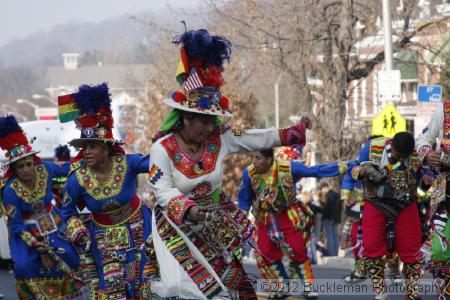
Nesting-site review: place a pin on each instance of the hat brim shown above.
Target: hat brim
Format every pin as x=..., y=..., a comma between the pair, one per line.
x=78, y=143
x=172, y=103
x=19, y=158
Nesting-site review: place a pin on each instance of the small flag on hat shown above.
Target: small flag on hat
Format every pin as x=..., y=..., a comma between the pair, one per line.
x=193, y=81
x=183, y=67
x=67, y=108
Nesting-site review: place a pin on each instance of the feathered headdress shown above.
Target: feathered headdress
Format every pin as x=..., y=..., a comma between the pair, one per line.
x=13, y=140
x=90, y=108
x=288, y=153
x=199, y=73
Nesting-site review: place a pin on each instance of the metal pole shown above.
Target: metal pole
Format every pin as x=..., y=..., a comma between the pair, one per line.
x=277, y=108
x=387, y=34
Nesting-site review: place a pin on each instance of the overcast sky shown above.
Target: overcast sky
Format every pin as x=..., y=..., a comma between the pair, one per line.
x=20, y=18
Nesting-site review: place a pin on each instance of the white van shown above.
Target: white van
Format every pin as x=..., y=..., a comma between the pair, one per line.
x=49, y=135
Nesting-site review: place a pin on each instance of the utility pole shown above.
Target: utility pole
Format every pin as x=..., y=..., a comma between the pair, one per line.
x=277, y=105
x=387, y=34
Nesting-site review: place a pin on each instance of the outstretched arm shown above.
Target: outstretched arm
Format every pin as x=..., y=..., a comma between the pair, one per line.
x=299, y=170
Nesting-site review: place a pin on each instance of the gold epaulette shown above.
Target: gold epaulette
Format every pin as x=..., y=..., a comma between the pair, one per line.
x=74, y=167
x=251, y=170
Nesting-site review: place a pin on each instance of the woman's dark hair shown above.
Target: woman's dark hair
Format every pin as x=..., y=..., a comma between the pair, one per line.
x=267, y=153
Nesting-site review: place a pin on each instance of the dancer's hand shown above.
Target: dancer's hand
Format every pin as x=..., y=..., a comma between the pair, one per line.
x=427, y=180
x=434, y=159
x=82, y=238
x=40, y=247
x=307, y=123
x=196, y=214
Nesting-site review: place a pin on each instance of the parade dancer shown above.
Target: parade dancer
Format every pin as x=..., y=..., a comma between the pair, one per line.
x=438, y=158
x=103, y=178
x=390, y=173
x=197, y=229
x=62, y=155
x=268, y=187
x=352, y=195
x=44, y=261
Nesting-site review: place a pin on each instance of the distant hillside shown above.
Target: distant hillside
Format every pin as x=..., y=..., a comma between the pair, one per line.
x=116, y=39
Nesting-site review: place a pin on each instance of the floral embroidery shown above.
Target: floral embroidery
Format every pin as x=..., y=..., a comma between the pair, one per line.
x=74, y=228
x=111, y=187
x=28, y=238
x=185, y=165
x=177, y=208
x=38, y=192
x=201, y=190
x=238, y=132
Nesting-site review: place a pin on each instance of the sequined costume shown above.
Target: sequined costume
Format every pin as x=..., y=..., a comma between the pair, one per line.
x=438, y=244
x=119, y=224
x=282, y=221
x=390, y=220
x=33, y=221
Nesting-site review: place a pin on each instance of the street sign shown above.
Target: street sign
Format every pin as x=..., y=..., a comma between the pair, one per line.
x=389, y=86
x=388, y=122
x=429, y=93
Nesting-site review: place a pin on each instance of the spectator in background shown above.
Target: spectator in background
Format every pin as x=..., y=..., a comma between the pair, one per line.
x=331, y=217
x=313, y=201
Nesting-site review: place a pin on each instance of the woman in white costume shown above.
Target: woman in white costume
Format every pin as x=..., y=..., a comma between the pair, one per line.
x=197, y=229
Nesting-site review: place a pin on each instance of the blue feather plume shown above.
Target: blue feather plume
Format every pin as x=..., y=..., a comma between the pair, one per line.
x=90, y=99
x=8, y=125
x=210, y=49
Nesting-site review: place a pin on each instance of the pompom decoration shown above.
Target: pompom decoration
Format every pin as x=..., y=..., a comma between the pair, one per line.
x=11, y=134
x=224, y=102
x=288, y=153
x=178, y=97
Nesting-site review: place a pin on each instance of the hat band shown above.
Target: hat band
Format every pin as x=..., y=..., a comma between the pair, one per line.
x=203, y=98
x=96, y=132
x=18, y=151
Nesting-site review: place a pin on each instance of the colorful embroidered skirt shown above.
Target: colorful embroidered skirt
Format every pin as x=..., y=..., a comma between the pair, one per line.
x=119, y=258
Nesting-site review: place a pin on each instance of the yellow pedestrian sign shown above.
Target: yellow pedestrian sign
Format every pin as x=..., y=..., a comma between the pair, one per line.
x=388, y=122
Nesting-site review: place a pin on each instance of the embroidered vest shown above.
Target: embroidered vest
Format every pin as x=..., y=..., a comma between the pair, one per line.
x=277, y=195
x=400, y=185
x=445, y=142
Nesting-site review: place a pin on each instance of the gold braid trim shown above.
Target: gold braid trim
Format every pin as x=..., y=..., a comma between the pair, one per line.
x=74, y=228
x=28, y=238
x=343, y=167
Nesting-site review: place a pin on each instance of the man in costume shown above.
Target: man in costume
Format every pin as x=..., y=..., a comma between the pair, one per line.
x=390, y=173
x=268, y=186
x=351, y=194
x=62, y=155
x=44, y=262
x=103, y=179
x=433, y=146
x=352, y=235
x=197, y=229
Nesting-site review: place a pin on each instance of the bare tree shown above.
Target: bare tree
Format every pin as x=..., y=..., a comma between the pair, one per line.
x=314, y=43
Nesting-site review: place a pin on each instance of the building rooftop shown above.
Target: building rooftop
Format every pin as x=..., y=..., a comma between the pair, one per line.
x=135, y=75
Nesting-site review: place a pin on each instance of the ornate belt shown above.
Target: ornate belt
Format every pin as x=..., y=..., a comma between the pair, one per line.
x=118, y=216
